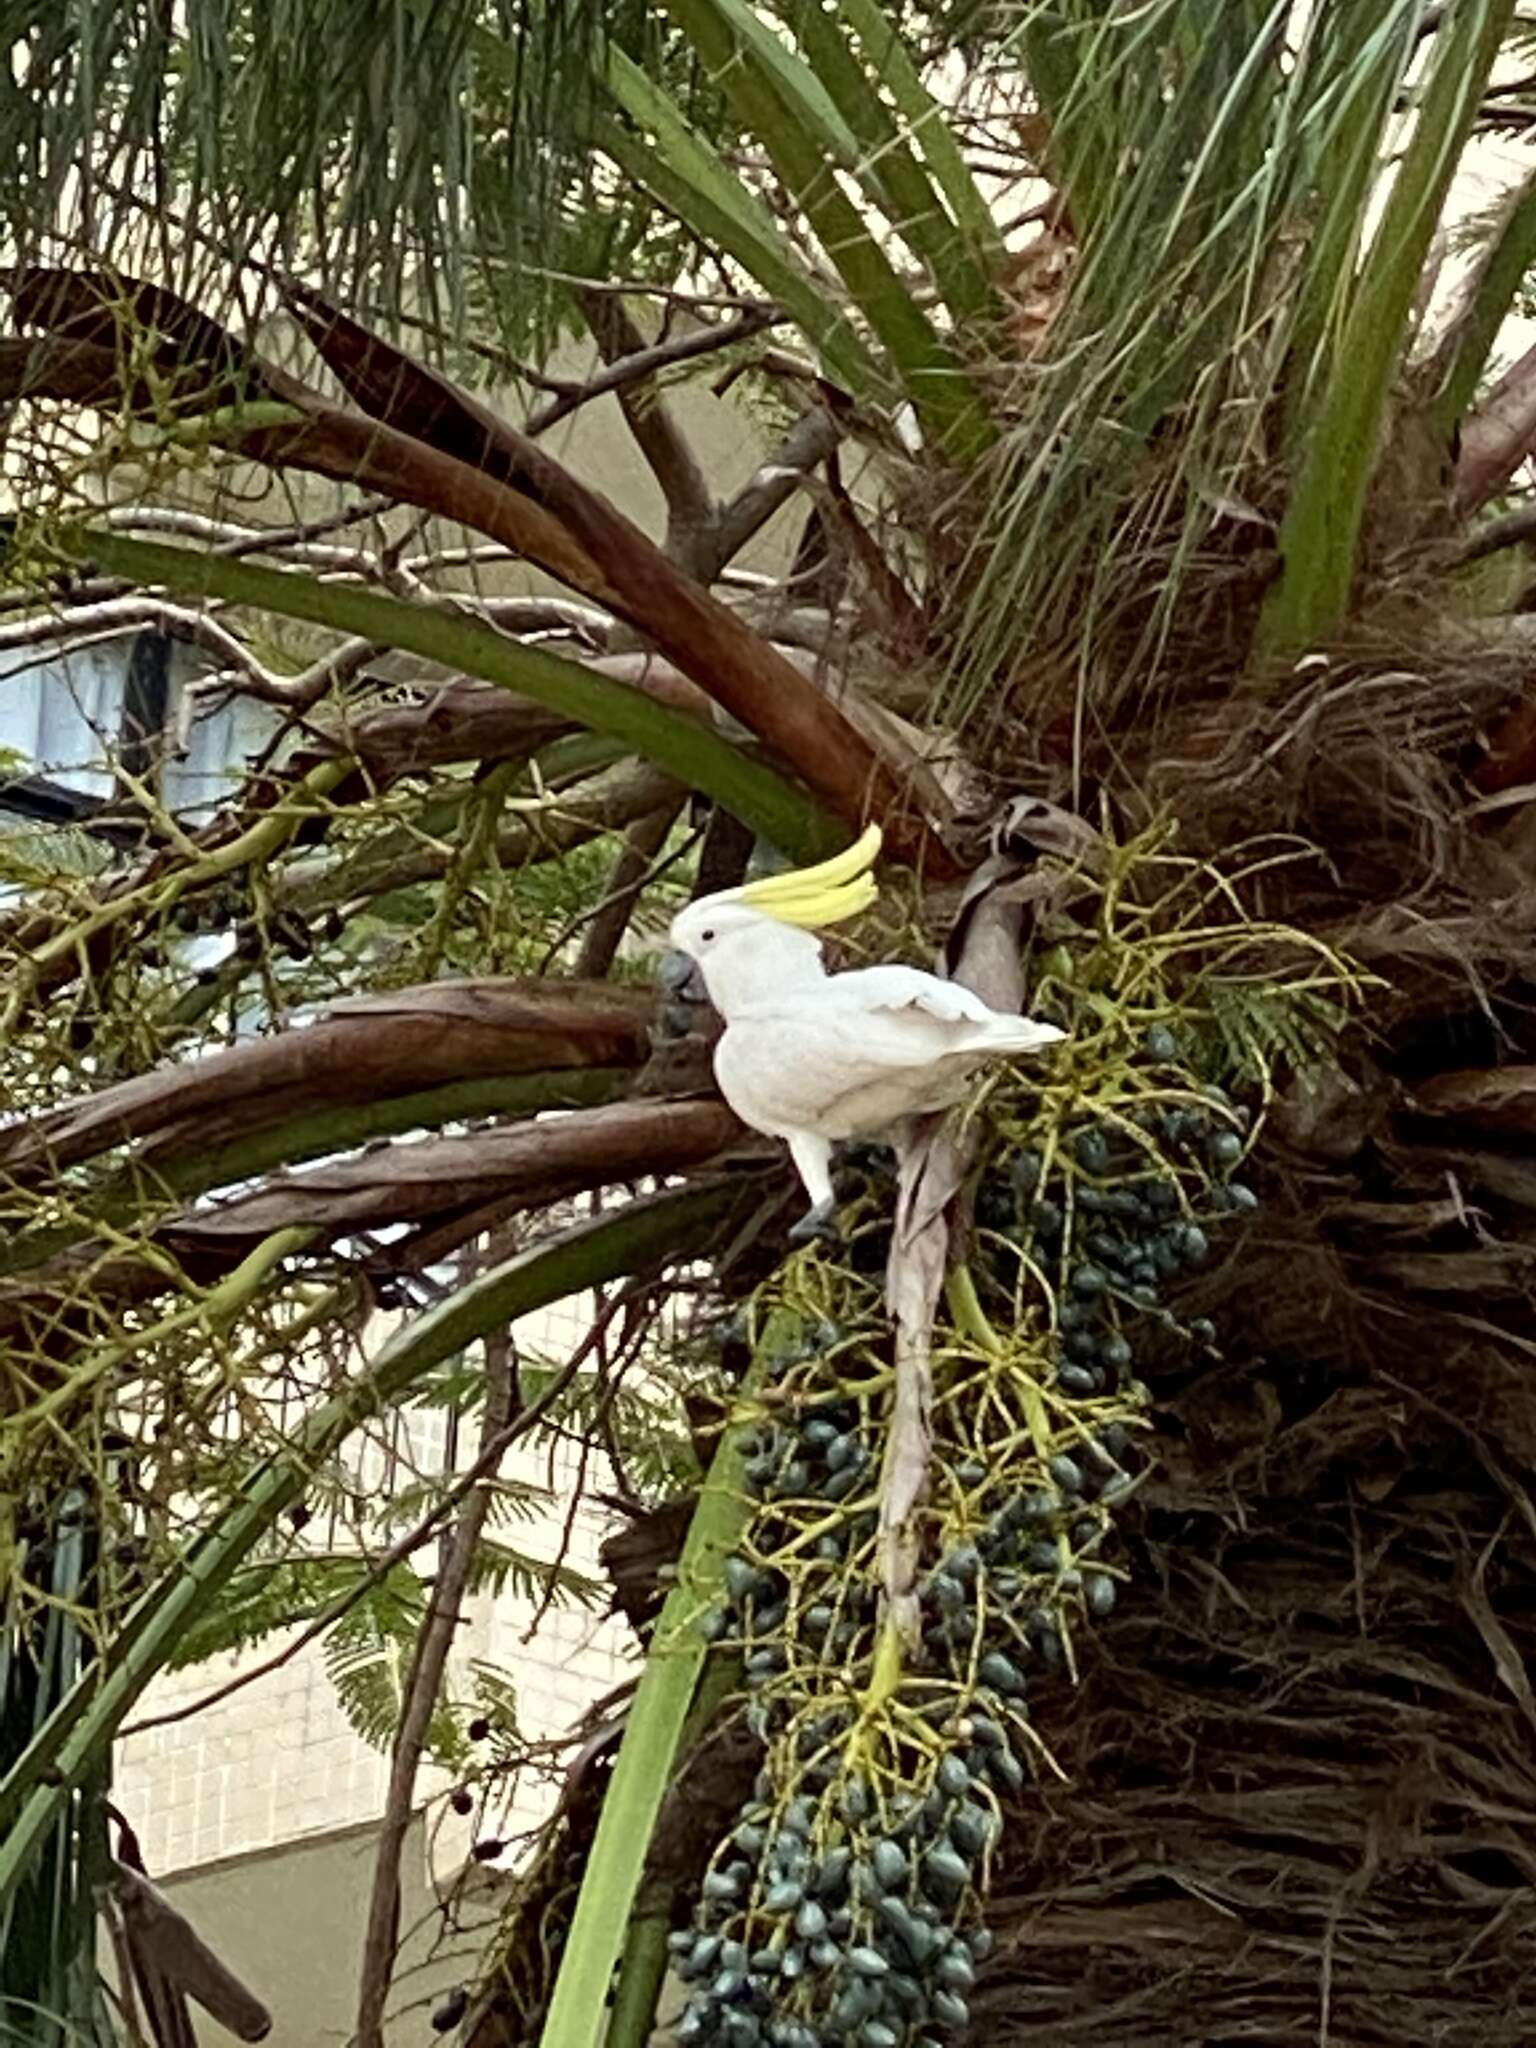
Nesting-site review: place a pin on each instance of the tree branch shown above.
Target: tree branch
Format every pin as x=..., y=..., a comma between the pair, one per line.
x=810, y=441
x=639, y=363
x=1496, y=439
x=1508, y=531
x=631, y=871
x=654, y=425
x=429, y=1661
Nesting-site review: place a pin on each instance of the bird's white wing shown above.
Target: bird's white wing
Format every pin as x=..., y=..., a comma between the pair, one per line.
x=908, y=988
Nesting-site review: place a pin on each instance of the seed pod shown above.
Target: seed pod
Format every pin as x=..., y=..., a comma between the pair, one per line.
x=810, y=1921
x=842, y=1483
x=741, y=1579
x=792, y=1964
x=728, y=1984
x=963, y=1563
x=705, y=1953
x=951, y=2009
x=798, y=1818
x=944, y=1874
x=733, y=1957
x=1226, y=1148
x=1160, y=1043
x=783, y=1897
x=1001, y=1673
x=954, y=1969
x=831, y=1878
x=913, y=1935
x=1067, y=1473
x=855, y=2003
x=971, y=1473
x=446, y=2017
x=954, y=1779
x=1077, y=1380
x=981, y=1941
x=868, y=1962
x=855, y=1800
x=1088, y=1280
x=1116, y=1353
x=1101, y=1593
x=876, y=2034
x=946, y=1592
x=720, y=1885
x=969, y=1829
x=1005, y=1767
x=1092, y=1149
x=889, y=1864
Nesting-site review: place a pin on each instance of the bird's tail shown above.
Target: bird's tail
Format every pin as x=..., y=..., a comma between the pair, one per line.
x=1021, y=1034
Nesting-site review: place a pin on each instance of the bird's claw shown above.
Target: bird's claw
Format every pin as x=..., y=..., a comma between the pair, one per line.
x=816, y=1226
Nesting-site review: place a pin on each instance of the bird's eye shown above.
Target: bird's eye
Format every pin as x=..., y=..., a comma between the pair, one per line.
x=706, y=937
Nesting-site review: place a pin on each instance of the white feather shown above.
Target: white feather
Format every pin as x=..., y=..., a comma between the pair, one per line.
x=815, y=1057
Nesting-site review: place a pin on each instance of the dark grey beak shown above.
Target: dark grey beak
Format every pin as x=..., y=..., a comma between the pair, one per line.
x=679, y=975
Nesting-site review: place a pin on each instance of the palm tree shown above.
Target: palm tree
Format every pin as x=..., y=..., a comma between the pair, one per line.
x=1177, y=522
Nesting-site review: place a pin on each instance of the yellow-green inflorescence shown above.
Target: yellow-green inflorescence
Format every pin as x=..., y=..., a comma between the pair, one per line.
x=844, y=1906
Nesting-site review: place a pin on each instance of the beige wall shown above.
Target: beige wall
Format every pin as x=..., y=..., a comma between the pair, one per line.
x=289, y=1923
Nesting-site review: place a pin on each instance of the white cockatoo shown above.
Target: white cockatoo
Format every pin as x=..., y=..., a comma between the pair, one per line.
x=813, y=1057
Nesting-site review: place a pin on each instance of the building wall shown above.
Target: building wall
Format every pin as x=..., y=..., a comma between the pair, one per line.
x=289, y=1923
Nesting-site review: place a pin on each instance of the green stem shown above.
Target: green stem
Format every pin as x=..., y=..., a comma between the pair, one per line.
x=1321, y=533
x=885, y=48
x=642, y=1971
x=885, y=163
x=698, y=200
x=784, y=814
x=1468, y=346
x=941, y=394
x=653, y=1740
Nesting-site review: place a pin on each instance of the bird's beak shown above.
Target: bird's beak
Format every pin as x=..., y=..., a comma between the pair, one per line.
x=679, y=975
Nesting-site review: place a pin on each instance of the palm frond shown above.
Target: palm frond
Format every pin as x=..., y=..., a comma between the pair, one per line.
x=1228, y=209
x=359, y=139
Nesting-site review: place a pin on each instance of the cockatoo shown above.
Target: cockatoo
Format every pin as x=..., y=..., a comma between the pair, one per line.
x=813, y=1057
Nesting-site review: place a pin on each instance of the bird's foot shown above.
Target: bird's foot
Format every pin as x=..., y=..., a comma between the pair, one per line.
x=817, y=1226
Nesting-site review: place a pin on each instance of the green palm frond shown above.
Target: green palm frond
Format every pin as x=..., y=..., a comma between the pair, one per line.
x=263, y=1597
x=1251, y=1028
x=1221, y=165
x=368, y=1653
x=33, y=857
x=357, y=137
x=501, y=1569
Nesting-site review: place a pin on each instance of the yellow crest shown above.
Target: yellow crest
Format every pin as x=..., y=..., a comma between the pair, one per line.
x=829, y=893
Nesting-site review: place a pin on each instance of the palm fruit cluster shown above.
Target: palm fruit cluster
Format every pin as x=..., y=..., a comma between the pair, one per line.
x=845, y=1906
